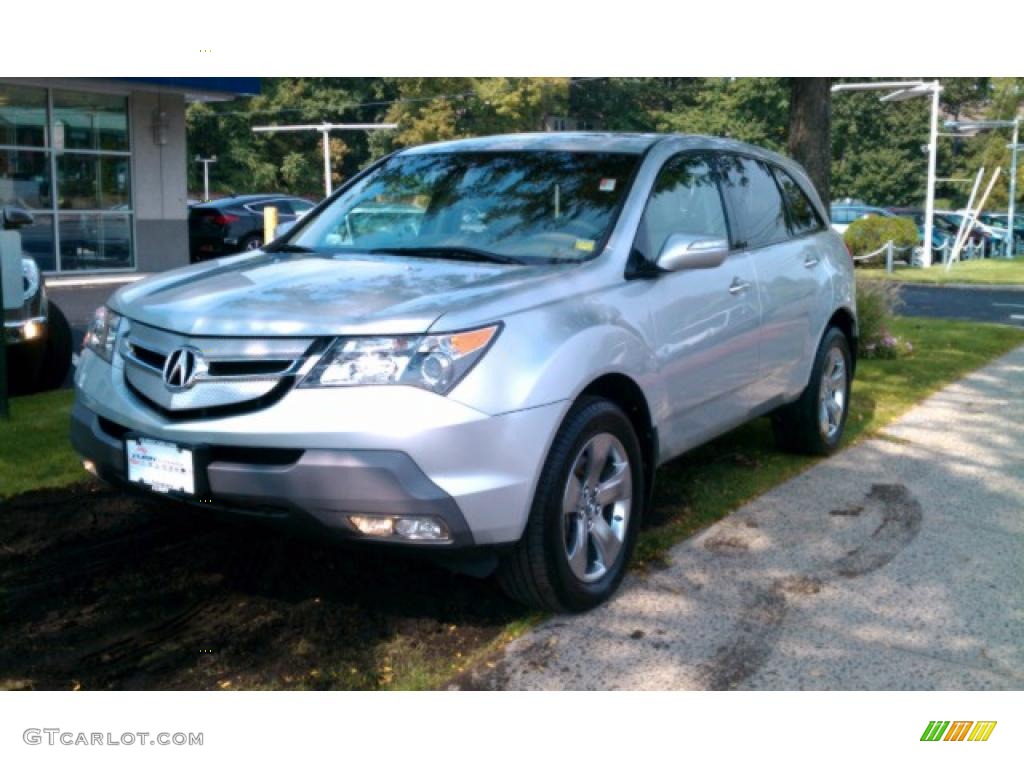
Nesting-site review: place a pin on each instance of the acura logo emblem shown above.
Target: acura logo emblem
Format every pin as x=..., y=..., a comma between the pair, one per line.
x=181, y=368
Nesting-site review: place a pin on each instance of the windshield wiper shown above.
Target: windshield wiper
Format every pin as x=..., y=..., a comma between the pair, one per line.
x=459, y=253
x=290, y=248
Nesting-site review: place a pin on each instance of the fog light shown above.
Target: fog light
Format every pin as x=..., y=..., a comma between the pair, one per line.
x=90, y=467
x=373, y=526
x=421, y=528
x=31, y=330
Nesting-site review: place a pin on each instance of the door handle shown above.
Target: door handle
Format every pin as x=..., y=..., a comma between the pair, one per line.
x=738, y=286
x=811, y=261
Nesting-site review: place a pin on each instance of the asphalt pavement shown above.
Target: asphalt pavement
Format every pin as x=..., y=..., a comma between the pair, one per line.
x=981, y=303
x=894, y=565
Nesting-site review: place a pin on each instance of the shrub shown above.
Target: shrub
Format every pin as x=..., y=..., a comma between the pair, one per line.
x=876, y=303
x=868, y=235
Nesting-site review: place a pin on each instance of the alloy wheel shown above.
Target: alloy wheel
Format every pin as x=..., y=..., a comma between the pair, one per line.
x=596, y=507
x=832, y=394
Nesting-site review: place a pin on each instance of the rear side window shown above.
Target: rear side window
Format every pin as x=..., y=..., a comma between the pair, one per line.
x=685, y=199
x=803, y=218
x=754, y=201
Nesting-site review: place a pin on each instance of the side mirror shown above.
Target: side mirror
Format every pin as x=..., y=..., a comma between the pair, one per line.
x=282, y=228
x=16, y=217
x=682, y=251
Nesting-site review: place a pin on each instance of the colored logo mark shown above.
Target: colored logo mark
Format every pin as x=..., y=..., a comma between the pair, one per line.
x=958, y=730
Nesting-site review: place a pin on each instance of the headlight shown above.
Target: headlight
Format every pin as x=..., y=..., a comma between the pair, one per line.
x=102, y=333
x=30, y=277
x=435, y=362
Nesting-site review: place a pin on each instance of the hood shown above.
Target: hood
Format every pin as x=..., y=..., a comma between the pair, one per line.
x=314, y=295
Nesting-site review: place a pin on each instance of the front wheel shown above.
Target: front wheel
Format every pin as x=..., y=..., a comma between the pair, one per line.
x=814, y=424
x=585, y=515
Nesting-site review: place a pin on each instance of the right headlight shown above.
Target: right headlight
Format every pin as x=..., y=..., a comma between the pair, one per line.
x=436, y=362
x=102, y=333
x=30, y=277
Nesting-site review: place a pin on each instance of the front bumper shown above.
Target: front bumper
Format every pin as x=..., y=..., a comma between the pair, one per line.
x=319, y=455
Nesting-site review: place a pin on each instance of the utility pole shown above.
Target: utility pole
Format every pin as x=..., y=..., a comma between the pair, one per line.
x=206, y=174
x=325, y=131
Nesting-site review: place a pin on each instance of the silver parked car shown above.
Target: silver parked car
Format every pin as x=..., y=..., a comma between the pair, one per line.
x=495, y=373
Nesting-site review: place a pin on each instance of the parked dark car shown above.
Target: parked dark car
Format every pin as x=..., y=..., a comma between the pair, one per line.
x=947, y=225
x=235, y=224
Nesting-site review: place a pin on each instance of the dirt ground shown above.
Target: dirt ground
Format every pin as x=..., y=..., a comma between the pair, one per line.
x=101, y=590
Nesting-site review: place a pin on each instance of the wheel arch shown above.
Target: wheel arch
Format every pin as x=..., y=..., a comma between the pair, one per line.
x=845, y=321
x=622, y=390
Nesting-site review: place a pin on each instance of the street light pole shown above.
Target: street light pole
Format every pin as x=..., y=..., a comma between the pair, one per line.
x=929, y=204
x=1014, y=146
x=325, y=131
x=206, y=174
x=985, y=125
x=901, y=90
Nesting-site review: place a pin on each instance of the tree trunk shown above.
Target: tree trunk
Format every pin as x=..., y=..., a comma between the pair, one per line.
x=809, y=129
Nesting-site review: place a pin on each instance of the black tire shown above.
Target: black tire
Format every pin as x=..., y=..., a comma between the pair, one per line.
x=797, y=427
x=24, y=361
x=57, y=352
x=536, y=571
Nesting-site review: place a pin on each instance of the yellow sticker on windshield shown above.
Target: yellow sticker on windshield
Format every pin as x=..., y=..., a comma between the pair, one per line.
x=585, y=245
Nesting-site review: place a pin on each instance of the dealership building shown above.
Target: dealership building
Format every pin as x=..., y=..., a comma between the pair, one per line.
x=101, y=164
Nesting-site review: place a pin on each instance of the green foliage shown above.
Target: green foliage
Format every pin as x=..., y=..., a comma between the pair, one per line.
x=869, y=234
x=877, y=301
x=877, y=147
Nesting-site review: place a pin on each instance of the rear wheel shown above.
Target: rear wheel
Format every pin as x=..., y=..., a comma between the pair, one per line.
x=814, y=424
x=585, y=516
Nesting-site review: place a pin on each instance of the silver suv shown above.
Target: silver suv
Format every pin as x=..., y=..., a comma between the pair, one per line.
x=484, y=349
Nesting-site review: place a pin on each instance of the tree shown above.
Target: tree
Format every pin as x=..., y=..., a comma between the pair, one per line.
x=810, y=142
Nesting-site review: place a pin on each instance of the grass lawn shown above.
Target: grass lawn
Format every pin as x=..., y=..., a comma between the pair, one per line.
x=34, y=447
x=978, y=272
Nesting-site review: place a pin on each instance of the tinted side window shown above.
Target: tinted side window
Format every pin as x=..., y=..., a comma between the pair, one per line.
x=685, y=199
x=803, y=217
x=754, y=200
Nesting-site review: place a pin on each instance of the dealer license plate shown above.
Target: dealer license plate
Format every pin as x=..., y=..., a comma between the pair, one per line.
x=161, y=466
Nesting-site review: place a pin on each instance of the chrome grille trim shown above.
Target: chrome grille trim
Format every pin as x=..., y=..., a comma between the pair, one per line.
x=141, y=347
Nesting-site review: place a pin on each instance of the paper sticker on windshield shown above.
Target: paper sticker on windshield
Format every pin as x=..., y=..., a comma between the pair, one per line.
x=607, y=185
x=585, y=245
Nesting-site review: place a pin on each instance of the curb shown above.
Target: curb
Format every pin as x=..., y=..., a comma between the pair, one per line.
x=97, y=280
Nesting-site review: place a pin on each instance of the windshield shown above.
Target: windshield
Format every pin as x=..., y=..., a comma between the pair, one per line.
x=520, y=206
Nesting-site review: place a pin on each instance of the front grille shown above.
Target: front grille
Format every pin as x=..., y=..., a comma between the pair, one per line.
x=149, y=357
x=235, y=375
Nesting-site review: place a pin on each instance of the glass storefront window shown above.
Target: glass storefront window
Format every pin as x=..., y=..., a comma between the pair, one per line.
x=22, y=116
x=90, y=121
x=92, y=182
x=83, y=217
x=37, y=241
x=95, y=241
x=25, y=179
